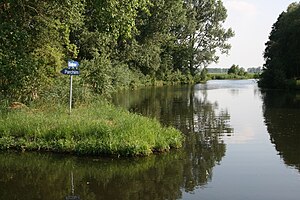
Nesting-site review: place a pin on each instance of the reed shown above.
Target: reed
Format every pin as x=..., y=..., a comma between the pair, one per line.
x=95, y=129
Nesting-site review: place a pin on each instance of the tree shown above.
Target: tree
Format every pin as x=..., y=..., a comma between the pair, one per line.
x=282, y=53
x=35, y=43
x=150, y=51
x=168, y=40
x=108, y=24
x=179, y=35
x=234, y=69
x=203, y=34
x=203, y=74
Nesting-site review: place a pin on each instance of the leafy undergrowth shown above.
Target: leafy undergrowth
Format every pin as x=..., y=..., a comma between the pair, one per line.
x=99, y=129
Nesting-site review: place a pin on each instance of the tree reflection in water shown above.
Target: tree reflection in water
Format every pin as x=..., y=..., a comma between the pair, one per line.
x=191, y=112
x=46, y=176
x=282, y=114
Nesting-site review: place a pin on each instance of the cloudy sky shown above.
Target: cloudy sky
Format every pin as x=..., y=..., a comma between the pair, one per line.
x=251, y=21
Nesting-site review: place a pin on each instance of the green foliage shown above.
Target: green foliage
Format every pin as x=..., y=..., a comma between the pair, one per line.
x=203, y=33
x=119, y=44
x=282, y=53
x=236, y=70
x=274, y=78
x=98, y=74
x=35, y=44
x=204, y=74
x=103, y=77
x=223, y=76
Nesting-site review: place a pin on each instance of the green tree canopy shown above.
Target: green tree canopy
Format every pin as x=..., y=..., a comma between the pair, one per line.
x=237, y=70
x=118, y=41
x=35, y=43
x=282, y=53
x=203, y=33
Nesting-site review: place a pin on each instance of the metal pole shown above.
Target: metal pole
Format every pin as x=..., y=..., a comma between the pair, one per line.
x=71, y=87
x=72, y=184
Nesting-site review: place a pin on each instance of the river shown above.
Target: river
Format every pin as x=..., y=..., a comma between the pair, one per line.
x=241, y=143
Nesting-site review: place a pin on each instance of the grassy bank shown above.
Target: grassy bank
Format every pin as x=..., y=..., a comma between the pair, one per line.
x=223, y=76
x=97, y=129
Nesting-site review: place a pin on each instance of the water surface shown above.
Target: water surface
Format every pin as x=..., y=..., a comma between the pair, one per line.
x=241, y=143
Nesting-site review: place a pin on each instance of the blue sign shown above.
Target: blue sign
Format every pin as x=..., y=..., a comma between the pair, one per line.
x=73, y=64
x=68, y=71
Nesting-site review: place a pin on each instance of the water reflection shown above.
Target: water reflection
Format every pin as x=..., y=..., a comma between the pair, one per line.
x=38, y=176
x=187, y=108
x=72, y=196
x=45, y=176
x=282, y=114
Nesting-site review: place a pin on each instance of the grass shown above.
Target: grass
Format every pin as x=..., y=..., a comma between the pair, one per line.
x=223, y=76
x=97, y=129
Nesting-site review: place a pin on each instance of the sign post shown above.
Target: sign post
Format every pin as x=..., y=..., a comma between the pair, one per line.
x=71, y=70
x=71, y=93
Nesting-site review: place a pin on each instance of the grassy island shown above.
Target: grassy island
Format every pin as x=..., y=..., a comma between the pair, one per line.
x=90, y=130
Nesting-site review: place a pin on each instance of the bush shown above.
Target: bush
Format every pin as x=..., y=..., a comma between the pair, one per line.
x=98, y=73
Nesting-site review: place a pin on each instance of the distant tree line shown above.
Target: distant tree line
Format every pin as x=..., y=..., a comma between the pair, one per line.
x=253, y=70
x=234, y=72
x=217, y=70
x=282, y=53
x=119, y=43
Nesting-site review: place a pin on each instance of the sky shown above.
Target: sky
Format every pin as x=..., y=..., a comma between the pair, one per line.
x=252, y=21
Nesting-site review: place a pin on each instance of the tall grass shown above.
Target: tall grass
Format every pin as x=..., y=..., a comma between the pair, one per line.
x=97, y=129
x=223, y=76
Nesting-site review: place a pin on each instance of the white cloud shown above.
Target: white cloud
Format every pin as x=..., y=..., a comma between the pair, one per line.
x=242, y=7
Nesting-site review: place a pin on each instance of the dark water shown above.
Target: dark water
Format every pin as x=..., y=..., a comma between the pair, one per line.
x=241, y=143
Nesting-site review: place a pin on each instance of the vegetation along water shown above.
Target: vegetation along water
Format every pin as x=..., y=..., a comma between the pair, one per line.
x=119, y=44
x=226, y=155
x=93, y=130
x=282, y=66
x=129, y=45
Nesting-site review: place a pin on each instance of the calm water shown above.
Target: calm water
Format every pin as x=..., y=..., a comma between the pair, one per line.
x=241, y=143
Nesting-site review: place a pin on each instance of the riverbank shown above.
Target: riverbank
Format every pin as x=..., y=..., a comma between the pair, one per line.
x=96, y=129
x=224, y=76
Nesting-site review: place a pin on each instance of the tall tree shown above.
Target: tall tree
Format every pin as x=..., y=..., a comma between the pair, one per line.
x=160, y=39
x=204, y=35
x=181, y=35
x=282, y=53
